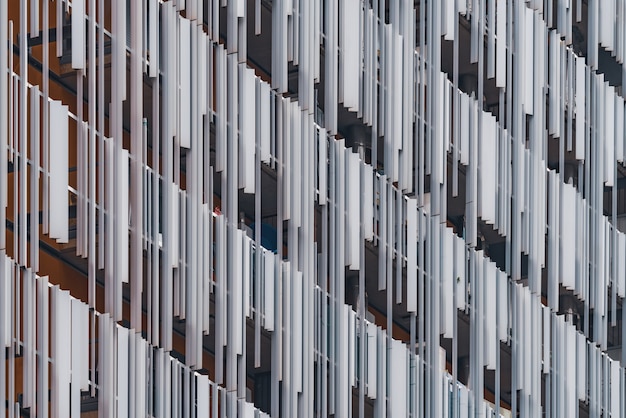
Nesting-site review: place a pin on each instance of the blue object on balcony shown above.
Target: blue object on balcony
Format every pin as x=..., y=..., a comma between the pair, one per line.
x=268, y=236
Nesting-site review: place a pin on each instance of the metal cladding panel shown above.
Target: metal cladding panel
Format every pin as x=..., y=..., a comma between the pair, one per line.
x=463, y=403
x=80, y=343
x=184, y=81
x=122, y=239
x=526, y=36
x=398, y=388
x=412, y=271
x=465, y=128
x=119, y=41
x=264, y=107
x=270, y=283
x=352, y=207
x=246, y=272
x=349, y=44
x=28, y=333
x=381, y=370
x=235, y=286
x=122, y=372
x=460, y=260
x=153, y=37
x=297, y=326
x=372, y=356
x=59, y=210
x=361, y=181
x=43, y=343
x=546, y=323
x=491, y=340
x=447, y=283
x=581, y=89
x=619, y=128
x=609, y=132
x=5, y=103
x=462, y=7
x=568, y=235
x=367, y=194
x=501, y=69
x=449, y=20
x=6, y=284
x=621, y=264
x=202, y=388
x=616, y=389
x=247, y=123
x=78, y=34
x=61, y=370
x=488, y=176
x=502, y=285
x=554, y=81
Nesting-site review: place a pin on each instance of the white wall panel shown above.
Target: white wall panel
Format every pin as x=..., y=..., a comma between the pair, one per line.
x=61, y=370
x=202, y=388
x=6, y=286
x=621, y=264
x=269, y=290
x=247, y=124
x=236, y=317
x=118, y=45
x=264, y=108
x=43, y=344
x=80, y=345
x=28, y=337
x=503, y=305
x=297, y=325
x=122, y=372
x=381, y=370
x=372, y=356
x=5, y=86
x=555, y=71
x=322, y=167
x=490, y=275
x=488, y=173
x=59, y=210
x=78, y=34
x=529, y=60
x=398, y=388
x=184, y=82
x=568, y=235
x=461, y=283
x=153, y=37
x=247, y=274
x=607, y=18
x=501, y=43
x=616, y=389
x=465, y=128
x=353, y=209
x=349, y=43
x=447, y=283
x=581, y=361
x=580, y=108
x=464, y=403
x=546, y=323
x=352, y=348
x=462, y=7
x=609, y=126
x=411, y=274
x=122, y=221
x=368, y=202
x=619, y=128
x=449, y=19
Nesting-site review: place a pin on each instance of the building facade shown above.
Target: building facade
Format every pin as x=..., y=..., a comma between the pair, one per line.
x=312, y=208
